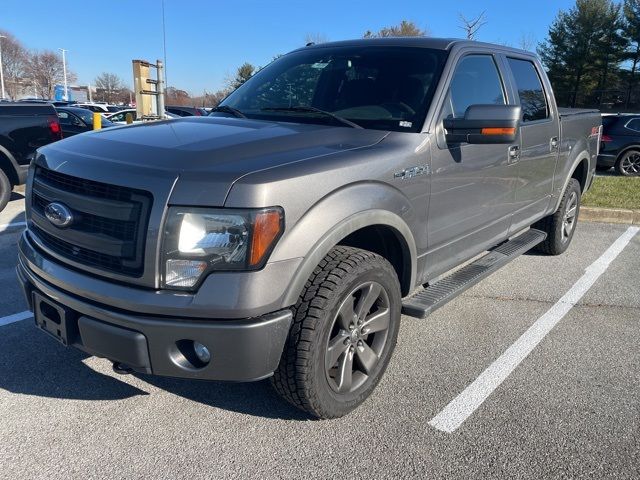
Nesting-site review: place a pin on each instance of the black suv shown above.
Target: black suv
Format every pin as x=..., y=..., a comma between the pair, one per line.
x=620, y=144
x=186, y=111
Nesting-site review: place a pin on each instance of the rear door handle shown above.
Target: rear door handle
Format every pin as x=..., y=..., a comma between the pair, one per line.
x=554, y=143
x=514, y=153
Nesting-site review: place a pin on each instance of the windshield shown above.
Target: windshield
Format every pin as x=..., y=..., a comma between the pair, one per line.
x=385, y=88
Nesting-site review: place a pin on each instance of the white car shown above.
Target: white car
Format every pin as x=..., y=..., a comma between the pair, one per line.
x=94, y=107
x=120, y=117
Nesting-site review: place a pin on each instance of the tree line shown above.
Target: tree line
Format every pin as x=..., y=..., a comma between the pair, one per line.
x=592, y=54
x=30, y=72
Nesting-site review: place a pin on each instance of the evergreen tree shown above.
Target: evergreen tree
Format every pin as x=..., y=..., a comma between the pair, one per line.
x=631, y=30
x=584, y=49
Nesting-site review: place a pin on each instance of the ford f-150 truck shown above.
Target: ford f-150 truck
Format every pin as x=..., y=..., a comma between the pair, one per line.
x=23, y=128
x=284, y=235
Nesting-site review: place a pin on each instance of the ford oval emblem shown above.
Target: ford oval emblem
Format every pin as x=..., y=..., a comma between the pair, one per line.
x=58, y=214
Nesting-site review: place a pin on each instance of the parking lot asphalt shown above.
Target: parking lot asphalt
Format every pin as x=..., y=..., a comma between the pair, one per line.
x=570, y=409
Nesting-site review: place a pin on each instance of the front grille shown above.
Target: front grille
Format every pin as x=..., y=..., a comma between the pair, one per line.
x=110, y=221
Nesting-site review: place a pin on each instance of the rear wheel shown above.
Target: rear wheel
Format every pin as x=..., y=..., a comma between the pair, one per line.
x=5, y=190
x=344, y=331
x=561, y=226
x=629, y=163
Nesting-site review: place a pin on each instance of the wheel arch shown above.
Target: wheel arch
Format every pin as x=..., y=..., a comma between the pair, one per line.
x=8, y=166
x=377, y=230
x=580, y=171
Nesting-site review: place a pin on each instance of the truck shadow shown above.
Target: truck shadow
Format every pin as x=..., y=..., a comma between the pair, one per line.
x=256, y=398
x=16, y=196
x=33, y=364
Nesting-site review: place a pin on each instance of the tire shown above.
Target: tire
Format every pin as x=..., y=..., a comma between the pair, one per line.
x=561, y=226
x=5, y=190
x=322, y=332
x=628, y=164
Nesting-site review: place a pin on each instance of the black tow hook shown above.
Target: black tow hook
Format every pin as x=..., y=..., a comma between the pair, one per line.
x=122, y=369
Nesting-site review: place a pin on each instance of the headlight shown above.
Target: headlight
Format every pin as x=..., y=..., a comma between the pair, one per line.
x=198, y=241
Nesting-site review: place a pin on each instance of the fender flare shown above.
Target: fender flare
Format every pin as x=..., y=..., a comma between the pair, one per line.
x=13, y=173
x=344, y=228
x=583, y=155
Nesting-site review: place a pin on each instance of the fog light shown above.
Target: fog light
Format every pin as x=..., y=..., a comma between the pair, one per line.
x=202, y=352
x=184, y=273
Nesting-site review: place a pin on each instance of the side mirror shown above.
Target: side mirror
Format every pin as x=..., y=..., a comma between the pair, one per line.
x=484, y=124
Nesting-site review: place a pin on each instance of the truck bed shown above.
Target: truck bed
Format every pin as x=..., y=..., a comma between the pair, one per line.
x=567, y=112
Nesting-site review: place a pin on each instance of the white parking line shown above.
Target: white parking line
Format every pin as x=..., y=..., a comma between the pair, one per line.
x=16, y=317
x=7, y=226
x=463, y=406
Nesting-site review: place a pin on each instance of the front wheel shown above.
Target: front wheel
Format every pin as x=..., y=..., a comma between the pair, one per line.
x=344, y=330
x=629, y=163
x=561, y=226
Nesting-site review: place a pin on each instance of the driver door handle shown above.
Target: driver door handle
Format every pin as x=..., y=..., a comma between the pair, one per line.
x=554, y=143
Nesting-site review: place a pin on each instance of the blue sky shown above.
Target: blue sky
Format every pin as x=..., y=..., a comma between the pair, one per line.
x=207, y=40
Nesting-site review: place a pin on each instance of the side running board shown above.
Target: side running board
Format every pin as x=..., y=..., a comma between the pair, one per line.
x=426, y=300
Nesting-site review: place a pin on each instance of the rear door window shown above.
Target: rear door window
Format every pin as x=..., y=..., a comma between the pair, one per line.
x=634, y=125
x=532, y=98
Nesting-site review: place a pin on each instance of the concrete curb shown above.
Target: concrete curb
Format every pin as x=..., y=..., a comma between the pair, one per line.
x=610, y=215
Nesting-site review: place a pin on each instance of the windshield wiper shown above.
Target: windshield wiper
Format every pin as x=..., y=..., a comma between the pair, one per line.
x=227, y=109
x=309, y=109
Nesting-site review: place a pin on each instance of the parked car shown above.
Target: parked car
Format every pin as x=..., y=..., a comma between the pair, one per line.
x=284, y=235
x=93, y=107
x=23, y=128
x=75, y=120
x=186, y=111
x=620, y=144
x=115, y=108
x=120, y=118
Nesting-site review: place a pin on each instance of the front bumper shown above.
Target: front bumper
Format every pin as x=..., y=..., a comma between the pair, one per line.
x=241, y=350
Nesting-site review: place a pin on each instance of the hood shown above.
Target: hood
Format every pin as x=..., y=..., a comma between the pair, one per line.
x=202, y=156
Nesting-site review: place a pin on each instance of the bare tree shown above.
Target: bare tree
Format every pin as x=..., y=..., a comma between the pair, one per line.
x=527, y=41
x=471, y=26
x=44, y=71
x=14, y=59
x=108, y=86
x=315, y=38
x=175, y=96
x=403, y=29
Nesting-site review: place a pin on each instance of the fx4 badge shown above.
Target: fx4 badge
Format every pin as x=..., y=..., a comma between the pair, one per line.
x=412, y=172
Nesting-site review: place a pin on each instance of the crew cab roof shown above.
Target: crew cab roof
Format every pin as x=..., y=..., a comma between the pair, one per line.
x=424, y=42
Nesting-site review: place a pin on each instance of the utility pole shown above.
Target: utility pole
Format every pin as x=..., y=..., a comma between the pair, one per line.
x=164, y=45
x=160, y=89
x=64, y=71
x=1, y=70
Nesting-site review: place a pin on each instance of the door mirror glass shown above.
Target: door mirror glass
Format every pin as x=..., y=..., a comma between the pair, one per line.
x=484, y=124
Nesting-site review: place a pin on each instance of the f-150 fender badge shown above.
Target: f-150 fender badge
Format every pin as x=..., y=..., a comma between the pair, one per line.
x=412, y=172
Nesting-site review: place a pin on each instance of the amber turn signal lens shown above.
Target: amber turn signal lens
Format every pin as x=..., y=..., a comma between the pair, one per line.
x=498, y=131
x=266, y=229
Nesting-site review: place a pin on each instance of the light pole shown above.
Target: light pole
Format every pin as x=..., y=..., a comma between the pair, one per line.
x=1, y=70
x=64, y=71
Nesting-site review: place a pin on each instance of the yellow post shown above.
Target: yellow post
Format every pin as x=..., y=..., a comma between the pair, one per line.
x=97, y=121
x=129, y=118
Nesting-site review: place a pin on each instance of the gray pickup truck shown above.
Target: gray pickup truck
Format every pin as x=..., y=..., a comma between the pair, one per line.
x=284, y=235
